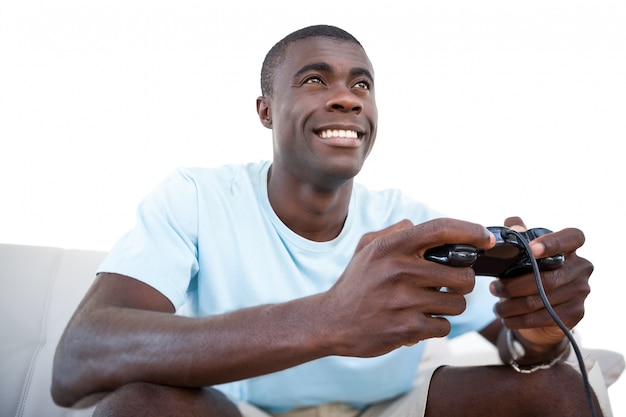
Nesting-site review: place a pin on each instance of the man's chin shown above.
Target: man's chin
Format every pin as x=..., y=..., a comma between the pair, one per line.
x=345, y=171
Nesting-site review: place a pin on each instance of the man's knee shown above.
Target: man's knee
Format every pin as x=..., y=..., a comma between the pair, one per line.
x=559, y=390
x=564, y=387
x=143, y=399
x=500, y=390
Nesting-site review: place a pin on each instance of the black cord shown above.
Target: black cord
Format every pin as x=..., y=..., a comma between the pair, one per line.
x=557, y=320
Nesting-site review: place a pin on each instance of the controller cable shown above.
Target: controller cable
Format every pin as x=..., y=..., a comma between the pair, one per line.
x=555, y=317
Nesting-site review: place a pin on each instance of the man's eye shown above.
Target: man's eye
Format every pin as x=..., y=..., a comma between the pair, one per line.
x=363, y=84
x=313, y=80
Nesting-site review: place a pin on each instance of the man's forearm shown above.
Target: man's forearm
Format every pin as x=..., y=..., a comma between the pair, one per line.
x=113, y=346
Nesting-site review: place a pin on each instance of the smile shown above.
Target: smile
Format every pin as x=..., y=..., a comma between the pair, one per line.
x=338, y=133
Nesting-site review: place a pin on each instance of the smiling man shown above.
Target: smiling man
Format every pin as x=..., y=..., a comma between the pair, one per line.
x=298, y=292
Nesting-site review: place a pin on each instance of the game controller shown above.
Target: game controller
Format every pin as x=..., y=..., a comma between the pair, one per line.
x=507, y=259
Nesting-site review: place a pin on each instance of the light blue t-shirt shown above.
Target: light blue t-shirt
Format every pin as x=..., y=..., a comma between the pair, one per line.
x=209, y=240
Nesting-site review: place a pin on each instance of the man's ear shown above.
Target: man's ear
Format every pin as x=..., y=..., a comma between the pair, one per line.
x=264, y=110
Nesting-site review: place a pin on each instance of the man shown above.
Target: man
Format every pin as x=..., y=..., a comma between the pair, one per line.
x=307, y=292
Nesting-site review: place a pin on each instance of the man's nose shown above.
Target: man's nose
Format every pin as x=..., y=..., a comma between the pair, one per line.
x=344, y=100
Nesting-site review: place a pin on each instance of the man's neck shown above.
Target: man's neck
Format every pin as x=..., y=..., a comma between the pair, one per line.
x=315, y=213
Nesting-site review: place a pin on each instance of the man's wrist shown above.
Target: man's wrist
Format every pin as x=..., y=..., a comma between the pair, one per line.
x=526, y=358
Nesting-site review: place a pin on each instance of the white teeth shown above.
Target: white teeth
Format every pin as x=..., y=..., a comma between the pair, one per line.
x=338, y=133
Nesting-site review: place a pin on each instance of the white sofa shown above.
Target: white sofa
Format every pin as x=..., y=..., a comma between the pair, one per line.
x=41, y=287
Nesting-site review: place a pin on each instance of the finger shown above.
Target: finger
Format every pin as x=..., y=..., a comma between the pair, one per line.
x=419, y=274
x=570, y=313
x=367, y=238
x=428, y=327
x=562, y=286
x=520, y=286
x=417, y=239
x=529, y=303
x=564, y=241
x=430, y=302
x=515, y=223
x=575, y=270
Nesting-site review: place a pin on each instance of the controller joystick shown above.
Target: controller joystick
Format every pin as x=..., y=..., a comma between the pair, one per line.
x=507, y=259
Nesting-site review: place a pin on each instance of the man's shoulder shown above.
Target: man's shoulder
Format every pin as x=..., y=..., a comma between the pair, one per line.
x=207, y=179
x=192, y=182
x=382, y=196
x=222, y=172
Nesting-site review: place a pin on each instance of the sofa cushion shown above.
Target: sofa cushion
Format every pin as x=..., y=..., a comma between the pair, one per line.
x=41, y=288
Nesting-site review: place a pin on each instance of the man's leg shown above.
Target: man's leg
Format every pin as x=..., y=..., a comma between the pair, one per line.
x=492, y=391
x=146, y=400
x=501, y=391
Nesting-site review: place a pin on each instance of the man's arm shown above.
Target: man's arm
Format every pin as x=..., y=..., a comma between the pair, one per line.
x=124, y=331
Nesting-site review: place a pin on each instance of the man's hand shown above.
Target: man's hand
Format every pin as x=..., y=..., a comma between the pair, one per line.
x=390, y=296
x=520, y=306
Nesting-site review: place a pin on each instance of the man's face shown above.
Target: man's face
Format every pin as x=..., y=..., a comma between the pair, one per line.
x=323, y=111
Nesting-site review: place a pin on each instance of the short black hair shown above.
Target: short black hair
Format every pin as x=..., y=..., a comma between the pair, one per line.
x=276, y=56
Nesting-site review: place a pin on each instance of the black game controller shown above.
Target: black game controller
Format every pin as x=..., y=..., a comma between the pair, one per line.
x=507, y=259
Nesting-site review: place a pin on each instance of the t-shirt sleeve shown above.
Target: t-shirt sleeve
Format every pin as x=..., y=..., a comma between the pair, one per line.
x=161, y=250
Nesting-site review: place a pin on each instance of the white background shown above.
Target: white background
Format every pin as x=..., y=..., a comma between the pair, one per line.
x=487, y=109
